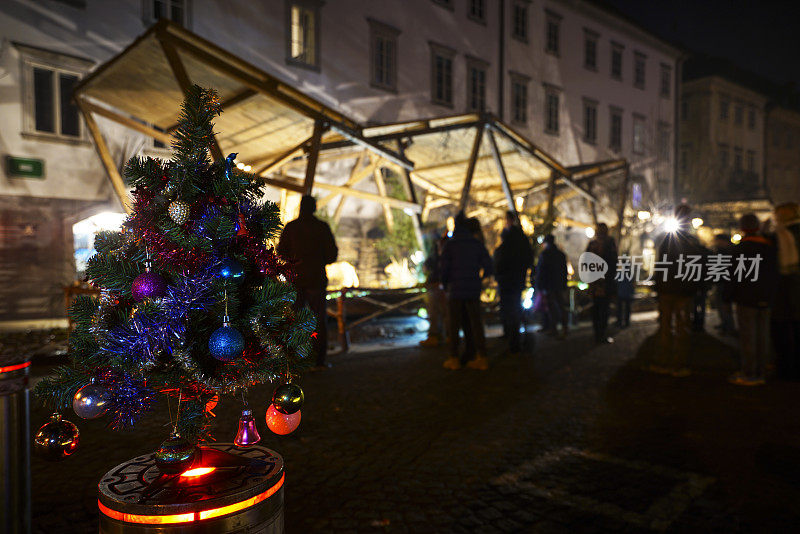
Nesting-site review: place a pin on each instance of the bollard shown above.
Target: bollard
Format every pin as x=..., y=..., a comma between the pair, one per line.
x=15, y=450
x=226, y=490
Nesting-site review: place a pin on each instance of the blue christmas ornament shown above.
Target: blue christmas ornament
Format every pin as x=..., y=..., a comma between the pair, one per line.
x=226, y=343
x=231, y=271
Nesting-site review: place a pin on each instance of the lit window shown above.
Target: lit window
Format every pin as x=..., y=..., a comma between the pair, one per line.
x=519, y=19
x=173, y=10
x=639, y=60
x=616, y=61
x=49, y=80
x=442, y=75
x=666, y=80
x=519, y=98
x=383, y=55
x=590, y=121
x=477, y=10
x=638, y=134
x=590, y=50
x=552, y=33
x=303, y=44
x=615, y=133
x=551, y=111
x=476, y=85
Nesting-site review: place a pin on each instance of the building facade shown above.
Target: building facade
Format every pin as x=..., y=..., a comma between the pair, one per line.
x=582, y=82
x=782, y=150
x=722, y=125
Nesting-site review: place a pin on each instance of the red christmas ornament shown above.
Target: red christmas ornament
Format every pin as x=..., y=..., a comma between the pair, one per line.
x=242, y=226
x=281, y=423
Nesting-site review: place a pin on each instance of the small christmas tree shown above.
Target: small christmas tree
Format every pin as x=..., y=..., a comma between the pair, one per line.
x=194, y=304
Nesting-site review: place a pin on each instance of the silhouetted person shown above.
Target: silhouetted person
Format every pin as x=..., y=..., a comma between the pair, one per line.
x=603, y=290
x=309, y=242
x=675, y=295
x=722, y=295
x=512, y=260
x=753, y=294
x=626, y=289
x=786, y=309
x=435, y=298
x=550, y=279
x=464, y=262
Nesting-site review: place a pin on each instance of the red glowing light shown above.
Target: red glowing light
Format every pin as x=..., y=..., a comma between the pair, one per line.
x=314, y=335
x=16, y=367
x=198, y=472
x=191, y=516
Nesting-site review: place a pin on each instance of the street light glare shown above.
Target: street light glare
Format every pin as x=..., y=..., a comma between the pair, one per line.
x=735, y=238
x=643, y=215
x=697, y=222
x=671, y=225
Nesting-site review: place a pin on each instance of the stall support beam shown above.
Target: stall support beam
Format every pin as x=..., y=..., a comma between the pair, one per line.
x=498, y=161
x=476, y=147
x=411, y=194
x=313, y=157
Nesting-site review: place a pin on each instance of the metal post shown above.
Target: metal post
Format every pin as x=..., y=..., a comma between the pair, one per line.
x=476, y=146
x=15, y=451
x=551, y=198
x=411, y=194
x=498, y=161
x=313, y=156
x=341, y=321
x=622, y=202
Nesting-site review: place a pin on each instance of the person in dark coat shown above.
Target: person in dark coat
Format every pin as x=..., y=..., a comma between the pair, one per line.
x=465, y=261
x=786, y=309
x=721, y=296
x=550, y=279
x=512, y=260
x=753, y=293
x=603, y=290
x=435, y=297
x=309, y=242
x=626, y=289
x=676, y=292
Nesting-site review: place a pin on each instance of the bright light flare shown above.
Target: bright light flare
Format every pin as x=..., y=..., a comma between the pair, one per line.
x=671, y=225
x=735, y=238
x=643, y=215
x=697, y=222
x=589, y=231
x=527, y=302
x=240, y=166
x=519, y=202
x=198, y=472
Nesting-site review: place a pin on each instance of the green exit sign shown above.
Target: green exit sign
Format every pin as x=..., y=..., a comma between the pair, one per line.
x=24, y=167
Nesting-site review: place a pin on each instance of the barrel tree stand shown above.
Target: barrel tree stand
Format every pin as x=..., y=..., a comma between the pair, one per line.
x=226, y=490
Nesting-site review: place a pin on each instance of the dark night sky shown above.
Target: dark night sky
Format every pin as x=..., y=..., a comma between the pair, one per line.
x=762, y=37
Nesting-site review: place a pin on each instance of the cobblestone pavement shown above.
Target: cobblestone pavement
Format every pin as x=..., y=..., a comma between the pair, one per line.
x=569, y=437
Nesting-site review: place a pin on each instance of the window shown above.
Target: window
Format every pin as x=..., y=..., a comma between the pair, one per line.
x=666, y=80
x=685, y=108
x=551, y=110
x=638, y=134
x=751, y=118
x=303, y=34
x=442, y=75
x=724, y=105
x=552, y=33
x=616, y=60
x=590, y=49
x=590, y=121
x=723, y=156
x=738, y=114
x=48, y=82
x=383, y=55
x=174, y=10
x=519, y=21
x=664, y=131
x=751, y=160
x=476, y=84
x=685, y=164
x=737, y=158
x=519, y=98
x=477, y=10
x=615, y=133
x=638, y=69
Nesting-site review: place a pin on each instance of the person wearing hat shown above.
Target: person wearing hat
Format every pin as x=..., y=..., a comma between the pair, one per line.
x=309, y=243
